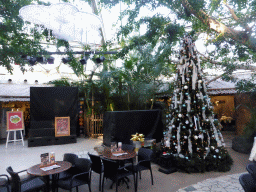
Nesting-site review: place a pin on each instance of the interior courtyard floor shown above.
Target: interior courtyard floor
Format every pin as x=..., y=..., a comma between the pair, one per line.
x=20, y=158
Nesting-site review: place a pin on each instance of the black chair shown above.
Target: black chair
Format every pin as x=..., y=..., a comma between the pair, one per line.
x=144, y=163
x=247, y=182
x=115, y=173
x=128, y=147
x=97, y=166
x=4, y=181
x=81, y=176
x=26, y=184
x=70, y=157
x=251, y=168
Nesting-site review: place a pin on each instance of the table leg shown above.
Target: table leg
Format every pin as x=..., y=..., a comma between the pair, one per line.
x=54, y=182
x=47, y=180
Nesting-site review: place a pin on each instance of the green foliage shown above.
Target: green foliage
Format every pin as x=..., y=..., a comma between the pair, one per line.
x=250, y=128
x=14, y=42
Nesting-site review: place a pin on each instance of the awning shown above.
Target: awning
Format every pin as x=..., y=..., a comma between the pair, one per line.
x=13, y=99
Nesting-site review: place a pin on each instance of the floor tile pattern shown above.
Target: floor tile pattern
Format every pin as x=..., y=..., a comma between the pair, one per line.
x=229, y=183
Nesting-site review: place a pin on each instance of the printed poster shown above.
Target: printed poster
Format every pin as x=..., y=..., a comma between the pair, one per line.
x=62, y=126
x=15, y=120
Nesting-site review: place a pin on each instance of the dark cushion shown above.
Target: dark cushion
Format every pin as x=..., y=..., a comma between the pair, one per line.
x=32, y=185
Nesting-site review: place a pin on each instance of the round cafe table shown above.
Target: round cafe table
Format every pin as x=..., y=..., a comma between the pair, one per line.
x=129, y=155
x=37, y=171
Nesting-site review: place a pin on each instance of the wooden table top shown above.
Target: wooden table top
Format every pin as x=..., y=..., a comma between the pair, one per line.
x=129, y=155
x=36, y=171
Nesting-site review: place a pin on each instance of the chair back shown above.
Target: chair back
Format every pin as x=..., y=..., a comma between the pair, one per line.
x=128, y=147
x=83, y=165
x=70, y=157
x=247, y=182
x=15, y=181
x=110, y=168
x=144, y=154
x=251, y=168
x=96, y=163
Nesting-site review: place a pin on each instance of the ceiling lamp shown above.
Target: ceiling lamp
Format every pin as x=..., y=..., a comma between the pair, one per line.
x=41, y=60
x=84, y=60
x=50, y=60
x=66, y=60
x=32, y=61
x=100, y=59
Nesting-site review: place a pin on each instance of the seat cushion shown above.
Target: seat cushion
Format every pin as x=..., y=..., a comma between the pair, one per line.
x=65, y=175
x=65, y=183
x=32, y=185
x=26, y=177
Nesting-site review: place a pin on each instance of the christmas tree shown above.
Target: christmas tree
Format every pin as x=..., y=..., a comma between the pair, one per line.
x=193, y=136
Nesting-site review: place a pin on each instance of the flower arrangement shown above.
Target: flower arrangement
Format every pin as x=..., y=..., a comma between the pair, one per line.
x=138, y=137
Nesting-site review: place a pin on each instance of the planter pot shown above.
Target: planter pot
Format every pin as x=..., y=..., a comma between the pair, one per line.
x=137, y=145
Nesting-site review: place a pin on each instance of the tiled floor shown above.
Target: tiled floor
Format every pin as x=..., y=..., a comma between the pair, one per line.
x=229, y=183
x=20, y=158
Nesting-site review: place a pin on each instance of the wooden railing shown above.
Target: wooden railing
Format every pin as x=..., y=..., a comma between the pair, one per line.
x=94, y=125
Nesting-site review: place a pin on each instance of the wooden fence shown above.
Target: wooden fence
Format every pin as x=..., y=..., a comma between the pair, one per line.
x=94, y=125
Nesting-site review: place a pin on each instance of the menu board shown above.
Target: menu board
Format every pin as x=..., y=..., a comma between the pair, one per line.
x=44, y=159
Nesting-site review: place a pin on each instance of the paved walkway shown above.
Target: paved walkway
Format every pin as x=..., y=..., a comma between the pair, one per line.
x=229, y=183
x=20, y=158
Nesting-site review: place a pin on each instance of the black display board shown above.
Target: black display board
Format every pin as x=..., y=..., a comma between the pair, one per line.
x=120, y=125
x=46, y=103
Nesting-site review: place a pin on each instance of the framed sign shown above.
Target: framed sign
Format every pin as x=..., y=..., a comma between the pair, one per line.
x=15, y=120
x=62, y=126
